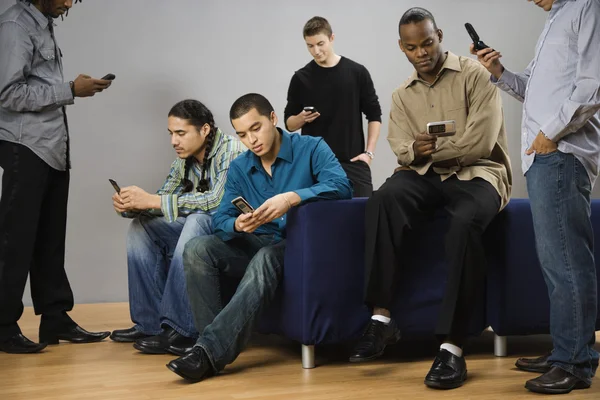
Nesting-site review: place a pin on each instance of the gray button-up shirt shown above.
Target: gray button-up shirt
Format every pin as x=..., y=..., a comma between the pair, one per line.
x=560, y=88
x=32, y=91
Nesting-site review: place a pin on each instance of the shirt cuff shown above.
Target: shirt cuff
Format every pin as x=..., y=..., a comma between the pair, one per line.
x=506, y=79
x=62, y=94
x=305, y=194
x=410, y=150
x=169, y=206
x=553, y=128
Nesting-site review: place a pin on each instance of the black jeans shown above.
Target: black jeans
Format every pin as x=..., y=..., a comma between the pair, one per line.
x=359, y=173
x=402, y=202
x=33, y=221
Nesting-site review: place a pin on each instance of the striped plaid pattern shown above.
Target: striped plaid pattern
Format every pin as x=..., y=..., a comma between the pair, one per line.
x=174, y=203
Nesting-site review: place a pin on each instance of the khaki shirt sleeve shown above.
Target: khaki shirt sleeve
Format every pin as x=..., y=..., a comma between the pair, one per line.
x=401, y=141
x=484, y=122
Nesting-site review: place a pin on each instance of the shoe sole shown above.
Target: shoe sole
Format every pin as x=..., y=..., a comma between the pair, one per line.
x=28, y=351
x=181, y=374
x=123, y=340
x=537, y=389
x=391, y=341
x=149, y=350
x=445, y=386
x=56, y=339
x=532, y=369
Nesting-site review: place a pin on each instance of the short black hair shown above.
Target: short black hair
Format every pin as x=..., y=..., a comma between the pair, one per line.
x=415, y=15
x=248, y=102
x=46, y=4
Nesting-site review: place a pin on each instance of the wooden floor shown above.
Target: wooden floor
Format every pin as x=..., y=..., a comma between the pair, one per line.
x=269, y=369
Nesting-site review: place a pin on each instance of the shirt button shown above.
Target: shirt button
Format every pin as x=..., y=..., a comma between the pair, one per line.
x=432, y=106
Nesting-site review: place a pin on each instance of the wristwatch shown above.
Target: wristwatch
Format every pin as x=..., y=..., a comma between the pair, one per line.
x=370, y=154
x=72, y=85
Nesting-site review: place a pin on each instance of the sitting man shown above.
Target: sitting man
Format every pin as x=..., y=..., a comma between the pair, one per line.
x=467, y=174
x=184, y=206
x=281, y=171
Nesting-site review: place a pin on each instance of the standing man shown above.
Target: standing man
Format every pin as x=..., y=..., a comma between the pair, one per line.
x=560, y=155
x=340, y=91
x=34, y=154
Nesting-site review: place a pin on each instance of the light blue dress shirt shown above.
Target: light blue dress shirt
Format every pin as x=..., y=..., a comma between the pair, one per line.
x=560, y=88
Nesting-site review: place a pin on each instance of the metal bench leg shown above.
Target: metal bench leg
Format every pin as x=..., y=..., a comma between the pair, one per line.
x=308, y=356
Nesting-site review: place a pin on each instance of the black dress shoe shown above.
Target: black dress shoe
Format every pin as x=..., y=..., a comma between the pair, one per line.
x=541, y=364
x=372, y=344
x=74, y=334
x=169, y=341
x=556, y=381
x=127, y=335
x=19, y=344
x=194, y=366
x=538, y=364
x=447, y=372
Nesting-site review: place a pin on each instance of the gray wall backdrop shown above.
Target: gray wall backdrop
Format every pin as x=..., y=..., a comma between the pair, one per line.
x=215, y=51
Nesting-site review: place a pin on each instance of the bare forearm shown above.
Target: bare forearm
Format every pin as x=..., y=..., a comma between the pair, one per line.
x=295, y=122
x=374, y=129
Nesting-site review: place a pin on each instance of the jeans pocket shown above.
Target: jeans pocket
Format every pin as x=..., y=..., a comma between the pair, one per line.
x=549, y=158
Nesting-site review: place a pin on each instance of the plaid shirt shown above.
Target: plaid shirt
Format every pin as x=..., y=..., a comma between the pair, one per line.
x=175, y=203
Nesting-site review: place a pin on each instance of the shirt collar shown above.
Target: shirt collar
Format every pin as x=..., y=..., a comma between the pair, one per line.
x=285, y=151
x=216, y=144
x=556, y=6
x=39, y=17
x=452, y=62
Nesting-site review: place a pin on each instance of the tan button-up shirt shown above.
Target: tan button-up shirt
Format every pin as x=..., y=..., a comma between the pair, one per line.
x=461, y=92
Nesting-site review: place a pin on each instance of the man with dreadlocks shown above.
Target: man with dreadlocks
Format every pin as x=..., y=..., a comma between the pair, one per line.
x=158, y=300
x=34, y=154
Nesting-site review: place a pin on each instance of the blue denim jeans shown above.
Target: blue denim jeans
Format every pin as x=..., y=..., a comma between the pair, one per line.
x=258, y=260
x=559, y=191
x=157, y=290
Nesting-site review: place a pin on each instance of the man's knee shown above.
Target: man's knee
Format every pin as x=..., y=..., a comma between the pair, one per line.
x=268, y=262
x=197, y=253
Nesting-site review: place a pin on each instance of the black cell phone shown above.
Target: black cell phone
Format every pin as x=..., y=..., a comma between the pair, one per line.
x=108, y=77
x=241, y=204
x=479, y=45
x=310, y=109
x=115, y=185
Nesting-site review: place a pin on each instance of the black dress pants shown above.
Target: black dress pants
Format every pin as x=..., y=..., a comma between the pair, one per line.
x=405, y=200
x=33, y=221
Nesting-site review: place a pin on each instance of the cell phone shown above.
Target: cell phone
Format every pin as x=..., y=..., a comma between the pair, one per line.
x=310, y=109
x=108, y=77
x=442, y=128
x=479, y=45
x=241, y=204
x=115, y=185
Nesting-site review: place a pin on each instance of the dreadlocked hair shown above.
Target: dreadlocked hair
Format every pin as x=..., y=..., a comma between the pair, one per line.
x=46, y=4
x=198, y=115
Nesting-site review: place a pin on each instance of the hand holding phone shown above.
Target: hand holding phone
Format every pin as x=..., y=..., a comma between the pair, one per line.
x=108, y=77
x=310, y=109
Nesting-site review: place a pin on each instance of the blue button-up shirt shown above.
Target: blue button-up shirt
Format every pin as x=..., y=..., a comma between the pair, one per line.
x=33, y=94
x=305, y=165
x=560, y=88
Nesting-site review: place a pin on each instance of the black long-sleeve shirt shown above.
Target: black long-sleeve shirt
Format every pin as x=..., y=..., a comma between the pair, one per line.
x=341, y=94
